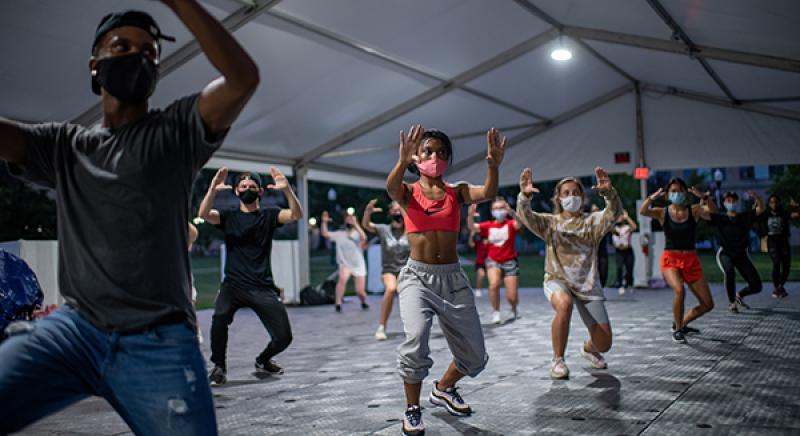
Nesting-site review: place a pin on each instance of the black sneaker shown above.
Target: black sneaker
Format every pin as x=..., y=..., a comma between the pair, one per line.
x=450, y=399
x=687, y=330
x=678, y=337
x=218, y=376
x=269, y=366
x=412, y=421
x=740, y=302
x=364, y=306
x=338, y=308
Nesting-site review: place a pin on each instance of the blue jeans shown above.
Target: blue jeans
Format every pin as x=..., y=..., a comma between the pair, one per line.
x=156, y=380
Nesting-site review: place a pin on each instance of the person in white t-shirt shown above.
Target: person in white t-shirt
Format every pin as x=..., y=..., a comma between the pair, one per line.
x=350, y=245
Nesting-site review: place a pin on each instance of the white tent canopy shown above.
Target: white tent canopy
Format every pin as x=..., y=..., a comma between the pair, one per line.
x=717, y=81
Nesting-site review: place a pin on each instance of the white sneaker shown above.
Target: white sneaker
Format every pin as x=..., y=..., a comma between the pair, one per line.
x=596, y=359
x=496, y=317
x=622, y=290
x=380, y=334
x=558, y=369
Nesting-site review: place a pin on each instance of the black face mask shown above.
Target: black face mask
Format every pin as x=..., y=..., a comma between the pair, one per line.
x=398, y=218
x=348, y=225
x=130, y=78
x=248, y=196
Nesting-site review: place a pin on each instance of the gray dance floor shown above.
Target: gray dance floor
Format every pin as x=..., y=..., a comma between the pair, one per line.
x=740, y=375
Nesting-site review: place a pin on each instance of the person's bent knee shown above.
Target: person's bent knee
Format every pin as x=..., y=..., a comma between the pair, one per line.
x=562, y=306
x=471, y=367
x=222, y=318
x=282, y=342
x=756, y=287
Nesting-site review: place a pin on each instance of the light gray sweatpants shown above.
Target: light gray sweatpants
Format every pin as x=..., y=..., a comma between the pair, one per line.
x=443, y=290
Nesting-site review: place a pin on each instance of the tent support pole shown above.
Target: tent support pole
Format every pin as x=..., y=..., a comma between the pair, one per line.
x=304, y=257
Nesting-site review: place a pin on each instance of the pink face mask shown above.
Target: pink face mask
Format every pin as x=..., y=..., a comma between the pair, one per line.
x=432, y=167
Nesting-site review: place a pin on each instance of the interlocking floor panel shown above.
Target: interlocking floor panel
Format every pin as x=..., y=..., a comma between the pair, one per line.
x=739, y=376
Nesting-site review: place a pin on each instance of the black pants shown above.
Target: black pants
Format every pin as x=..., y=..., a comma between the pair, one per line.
x=625, y=260
x=729, y=263
x=602, y=268
x=266, y=304
x=781, y=256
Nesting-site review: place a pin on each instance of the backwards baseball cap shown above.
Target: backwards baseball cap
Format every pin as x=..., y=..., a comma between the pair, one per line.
x=249, y=176
x=139, y=19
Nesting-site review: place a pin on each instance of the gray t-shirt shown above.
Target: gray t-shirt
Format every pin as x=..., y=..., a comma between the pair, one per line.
x=122, y=198
x=394, y=247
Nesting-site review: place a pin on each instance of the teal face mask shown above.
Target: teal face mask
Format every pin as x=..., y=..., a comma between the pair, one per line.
x=731, y=207
x=677, y=197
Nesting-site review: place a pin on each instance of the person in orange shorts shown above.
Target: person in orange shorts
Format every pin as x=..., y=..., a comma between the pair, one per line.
x=679, y=263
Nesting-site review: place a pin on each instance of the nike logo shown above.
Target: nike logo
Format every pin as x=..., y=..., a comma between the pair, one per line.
x=432, y=211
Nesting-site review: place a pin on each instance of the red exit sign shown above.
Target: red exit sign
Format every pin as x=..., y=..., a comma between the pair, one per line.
x=641, y=173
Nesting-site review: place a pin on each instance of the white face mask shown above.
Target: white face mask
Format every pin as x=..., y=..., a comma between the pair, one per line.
x=572, y=203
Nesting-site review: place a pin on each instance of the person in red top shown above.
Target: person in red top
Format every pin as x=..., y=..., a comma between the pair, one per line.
x=501, y=257
x=432, y=282
x=479, y=244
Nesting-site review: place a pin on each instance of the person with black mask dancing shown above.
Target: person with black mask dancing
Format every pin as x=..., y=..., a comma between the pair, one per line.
x=734, y=234
x=778, y=220
x=248, y=231
x=127, y=330
x=394, y=255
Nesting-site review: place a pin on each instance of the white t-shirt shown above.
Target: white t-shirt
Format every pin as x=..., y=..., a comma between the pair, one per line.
x=348, y=251
x=621, y=237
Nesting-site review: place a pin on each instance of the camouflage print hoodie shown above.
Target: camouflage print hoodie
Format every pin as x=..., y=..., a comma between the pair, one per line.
x=572, y=243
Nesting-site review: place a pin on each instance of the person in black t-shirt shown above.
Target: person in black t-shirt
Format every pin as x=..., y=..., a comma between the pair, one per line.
x=778, y=222
x=127, y=330
x=734, y=233
x=248, y=274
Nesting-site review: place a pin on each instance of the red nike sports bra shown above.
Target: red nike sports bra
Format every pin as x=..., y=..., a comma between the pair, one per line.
x=423, y=214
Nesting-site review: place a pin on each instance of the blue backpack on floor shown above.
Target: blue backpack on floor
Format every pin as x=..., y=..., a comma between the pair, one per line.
x=20, y=293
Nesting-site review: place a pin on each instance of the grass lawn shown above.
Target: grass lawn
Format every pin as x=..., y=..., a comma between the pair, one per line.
x=206, y=272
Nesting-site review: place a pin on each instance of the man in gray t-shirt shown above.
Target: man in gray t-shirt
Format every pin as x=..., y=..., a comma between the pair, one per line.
x=394, y=255
x=127, y=330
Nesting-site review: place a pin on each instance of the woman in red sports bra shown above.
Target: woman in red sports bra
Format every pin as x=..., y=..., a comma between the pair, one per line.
x=432, y=282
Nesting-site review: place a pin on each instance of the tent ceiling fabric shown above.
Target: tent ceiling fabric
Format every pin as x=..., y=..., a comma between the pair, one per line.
x=329, y=68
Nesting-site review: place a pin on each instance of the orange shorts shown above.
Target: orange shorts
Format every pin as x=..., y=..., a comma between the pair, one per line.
x=687, y=265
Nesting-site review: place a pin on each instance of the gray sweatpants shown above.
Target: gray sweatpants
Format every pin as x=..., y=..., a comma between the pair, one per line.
x=426, y=290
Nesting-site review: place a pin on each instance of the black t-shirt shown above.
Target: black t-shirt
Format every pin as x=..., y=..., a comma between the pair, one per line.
x=248, y=245
x=734, y=232
x=122, y=199
x=777, y=224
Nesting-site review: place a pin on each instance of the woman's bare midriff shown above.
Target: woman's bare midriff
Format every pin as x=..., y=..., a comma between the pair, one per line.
x=434, y=247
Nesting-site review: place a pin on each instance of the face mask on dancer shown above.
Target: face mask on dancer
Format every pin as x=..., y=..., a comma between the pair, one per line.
x=731, y=207
x=432, y=167
x=572, y=203
x=348, y=226
x=499, y=215
x=677, y=197
x=248, y=196
x=397, y=217
x=130, y=78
